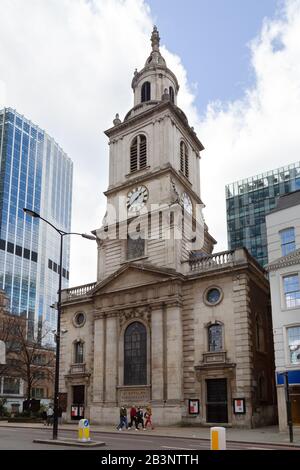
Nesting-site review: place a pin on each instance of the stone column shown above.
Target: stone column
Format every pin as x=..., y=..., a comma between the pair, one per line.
x=243, y=345
x=111, y=360
x=174, y=354
x=99, y=360
x=157, y=360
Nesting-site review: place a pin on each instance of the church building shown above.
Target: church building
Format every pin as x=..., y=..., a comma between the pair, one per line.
x=168, y=323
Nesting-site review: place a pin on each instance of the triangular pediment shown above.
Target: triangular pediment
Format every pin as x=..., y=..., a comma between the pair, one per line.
x=134, y=275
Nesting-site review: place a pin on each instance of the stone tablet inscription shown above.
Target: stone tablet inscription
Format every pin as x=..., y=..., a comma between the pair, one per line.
x=134, y=396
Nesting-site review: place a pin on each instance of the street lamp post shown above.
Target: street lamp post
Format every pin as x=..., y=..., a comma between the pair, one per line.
x=62, y=233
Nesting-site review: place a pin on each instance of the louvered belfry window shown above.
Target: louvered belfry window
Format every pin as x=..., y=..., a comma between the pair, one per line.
x=184, y=159
x=146, y=92
x=138, y=153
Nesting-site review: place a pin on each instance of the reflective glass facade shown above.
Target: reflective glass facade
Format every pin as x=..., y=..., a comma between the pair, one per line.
x=37, y=174
x=249, y=201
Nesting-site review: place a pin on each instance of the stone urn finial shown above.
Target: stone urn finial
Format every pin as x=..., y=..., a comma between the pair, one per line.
x=117, y=120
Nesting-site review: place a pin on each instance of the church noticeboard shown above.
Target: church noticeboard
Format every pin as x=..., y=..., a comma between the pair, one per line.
x=239, y=406
x=194, y=407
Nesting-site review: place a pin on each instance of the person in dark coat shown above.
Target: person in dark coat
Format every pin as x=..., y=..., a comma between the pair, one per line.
x=123, y=419
x=139, y=418
x=44, y=417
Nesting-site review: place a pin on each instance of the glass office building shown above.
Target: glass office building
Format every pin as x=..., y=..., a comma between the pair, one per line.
x=249, y=200
x=34, y=173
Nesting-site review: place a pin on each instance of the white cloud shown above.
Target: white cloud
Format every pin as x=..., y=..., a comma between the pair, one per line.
x=67, y=65
x=261, y=131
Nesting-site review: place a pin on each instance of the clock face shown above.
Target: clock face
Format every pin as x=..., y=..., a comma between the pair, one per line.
x=136, y=198
x=187, y=203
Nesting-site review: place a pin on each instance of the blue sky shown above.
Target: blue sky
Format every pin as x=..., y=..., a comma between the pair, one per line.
x=76, y=72
x=212, y=37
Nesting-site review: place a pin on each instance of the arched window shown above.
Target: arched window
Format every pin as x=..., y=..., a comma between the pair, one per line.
x=171, y=93
x=215, y=342
x=78, y=352
x=184, y=159
x=135, y=354
x=138, y=153
x=146, y=92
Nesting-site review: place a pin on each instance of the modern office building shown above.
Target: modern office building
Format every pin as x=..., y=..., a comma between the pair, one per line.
x=34, y=173
x=250, y=200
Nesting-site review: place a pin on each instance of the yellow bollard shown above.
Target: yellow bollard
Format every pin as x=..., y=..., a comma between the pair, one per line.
x=84, y=430
x=217, y=438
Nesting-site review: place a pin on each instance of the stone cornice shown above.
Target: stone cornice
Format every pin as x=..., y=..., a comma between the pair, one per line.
x=289, y=260
x=154, y=68
x=139, y=179
x=154, y=110
x=116, y=311
x=217, y=365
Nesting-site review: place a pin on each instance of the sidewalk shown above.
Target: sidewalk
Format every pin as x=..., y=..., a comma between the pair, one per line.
x=266, y=435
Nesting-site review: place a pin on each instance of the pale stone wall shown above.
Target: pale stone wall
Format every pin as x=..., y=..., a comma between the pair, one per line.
x=164, y=134
x=159, y=79
x=278, y=221
x=283, y=317
x=282, y=411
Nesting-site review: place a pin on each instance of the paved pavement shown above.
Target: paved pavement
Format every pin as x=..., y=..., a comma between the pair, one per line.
x=22, y=438
x=266, y=435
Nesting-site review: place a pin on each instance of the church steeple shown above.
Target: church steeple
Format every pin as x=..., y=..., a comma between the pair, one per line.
x=151, y=82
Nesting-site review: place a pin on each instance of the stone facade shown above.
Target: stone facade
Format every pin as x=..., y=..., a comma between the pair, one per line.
x=284, y=262
x=176, y=315
x=196, y=311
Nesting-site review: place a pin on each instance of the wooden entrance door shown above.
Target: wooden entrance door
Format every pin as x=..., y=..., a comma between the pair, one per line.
x=216, y=402
x=77, y=408
x=295, y=400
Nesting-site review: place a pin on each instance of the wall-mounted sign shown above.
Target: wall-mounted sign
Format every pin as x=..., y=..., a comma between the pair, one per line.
x=239, y=406
x=194, y=407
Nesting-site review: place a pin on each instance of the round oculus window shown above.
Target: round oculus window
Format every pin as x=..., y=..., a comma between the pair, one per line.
x=79, y=319
x=213, y=296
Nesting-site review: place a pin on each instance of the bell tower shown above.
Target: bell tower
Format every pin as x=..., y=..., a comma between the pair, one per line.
x=154, y=177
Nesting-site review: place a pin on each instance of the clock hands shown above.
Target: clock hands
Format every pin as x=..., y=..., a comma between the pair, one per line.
x=137, y=197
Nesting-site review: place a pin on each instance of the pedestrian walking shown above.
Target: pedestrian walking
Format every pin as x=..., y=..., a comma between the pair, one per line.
x=139, y=418
x=148, y=417
x=44, y=417
x=132, y=417
x=50, y=413
x=123, y=419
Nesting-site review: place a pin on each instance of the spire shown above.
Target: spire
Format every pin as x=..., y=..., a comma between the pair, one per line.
x=155, y=39
x=155, y=57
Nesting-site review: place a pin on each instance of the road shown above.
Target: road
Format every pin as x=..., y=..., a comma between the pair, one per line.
x=21, y=439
